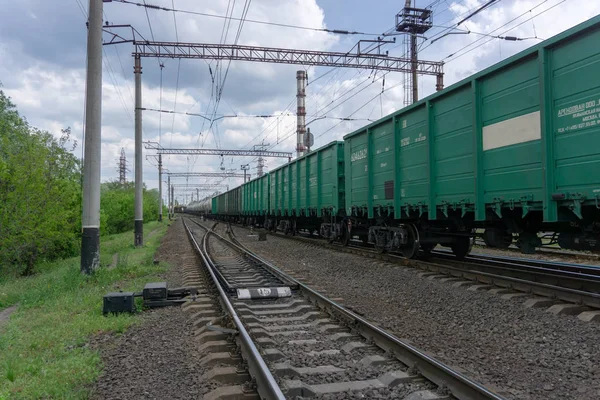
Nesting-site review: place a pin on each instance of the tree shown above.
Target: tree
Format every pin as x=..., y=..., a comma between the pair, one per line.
x=40, y=193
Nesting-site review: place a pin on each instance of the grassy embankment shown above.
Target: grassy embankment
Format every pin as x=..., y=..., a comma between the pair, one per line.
x=43, y=347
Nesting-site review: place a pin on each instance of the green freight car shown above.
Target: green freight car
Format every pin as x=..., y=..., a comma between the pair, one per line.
x=514, y=149
x=228, y=205
x=255, y=200
x=308, y=193
x=214, y=210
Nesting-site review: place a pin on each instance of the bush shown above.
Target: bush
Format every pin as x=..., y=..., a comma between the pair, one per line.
x=117, y=205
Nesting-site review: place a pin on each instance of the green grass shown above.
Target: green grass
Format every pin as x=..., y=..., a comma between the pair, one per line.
x=43, y=348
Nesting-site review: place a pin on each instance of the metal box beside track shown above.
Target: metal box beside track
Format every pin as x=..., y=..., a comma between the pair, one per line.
x=310, y=184
x=522, y=136
x=118, y=303
x=155, y=290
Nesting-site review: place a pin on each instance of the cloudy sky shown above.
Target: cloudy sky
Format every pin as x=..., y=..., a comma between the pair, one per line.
x=42, y=68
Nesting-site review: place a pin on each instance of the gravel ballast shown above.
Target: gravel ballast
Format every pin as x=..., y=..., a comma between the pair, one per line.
x=521, y=353
x=157, y=359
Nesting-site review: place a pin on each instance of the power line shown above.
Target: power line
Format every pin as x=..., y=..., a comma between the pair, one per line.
x=454, y=56
x=148, y=18
x=150, y=26
x=334, y=31
x=480, y=9
x=208, y=118
x=222, y=84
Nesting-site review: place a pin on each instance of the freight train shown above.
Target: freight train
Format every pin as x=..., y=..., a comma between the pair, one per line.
x=513, y=150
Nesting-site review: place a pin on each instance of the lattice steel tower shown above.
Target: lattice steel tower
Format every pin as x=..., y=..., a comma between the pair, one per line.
x=414, y=21
x=123, y=168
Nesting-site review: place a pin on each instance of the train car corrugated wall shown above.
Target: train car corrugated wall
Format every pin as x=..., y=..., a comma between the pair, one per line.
x=523, y=133
x=310, y=184
x=255, y=196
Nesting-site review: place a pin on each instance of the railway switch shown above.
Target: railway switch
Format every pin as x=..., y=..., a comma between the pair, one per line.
x=154, y=294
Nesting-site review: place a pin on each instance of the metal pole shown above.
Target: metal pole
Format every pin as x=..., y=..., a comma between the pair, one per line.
x=160, y=193
x=169, y=195
x=139, y=211
x=90, y=220
x=172, y=201
x=300, y=113
x=413, y=57
x=197, y=194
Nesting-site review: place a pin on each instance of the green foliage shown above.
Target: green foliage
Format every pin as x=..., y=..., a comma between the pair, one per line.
x=117, y=204
x=40, y=196
x=40, y=193
x=43, y=347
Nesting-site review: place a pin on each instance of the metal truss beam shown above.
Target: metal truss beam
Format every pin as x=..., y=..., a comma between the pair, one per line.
x=380, y=62
x=218, y=152
x=199, y=186
x=205, y=174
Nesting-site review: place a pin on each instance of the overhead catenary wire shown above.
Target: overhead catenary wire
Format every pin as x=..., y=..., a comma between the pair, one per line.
x=454, y=55
x=253, y=21
x=150, y=26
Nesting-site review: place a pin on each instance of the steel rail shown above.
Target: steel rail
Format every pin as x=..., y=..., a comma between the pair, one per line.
x=564, y=271
x=267, y=387
x=235, y=247
x=437, y=372
x=568, y=294
x=545, y=251
x=556, y=265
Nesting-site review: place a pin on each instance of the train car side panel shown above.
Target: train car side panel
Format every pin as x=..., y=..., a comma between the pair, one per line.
x=451, y=136
x=575, y=121
x=356, y=156
x=382, y=160
x=412, y=168
x=511, y=135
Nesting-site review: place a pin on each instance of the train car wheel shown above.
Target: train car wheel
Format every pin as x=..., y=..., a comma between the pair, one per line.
x=411, y=249
x=462, y=247
x=427, y=248
x=345, y=236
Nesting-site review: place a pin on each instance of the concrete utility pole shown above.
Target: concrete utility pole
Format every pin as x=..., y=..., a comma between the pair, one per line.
x=172, y=201
x=160, y=200
x=169, y=195
x=90, y=221
x=139, y=211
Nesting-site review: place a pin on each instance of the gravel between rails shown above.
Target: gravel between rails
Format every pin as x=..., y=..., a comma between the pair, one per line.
x=156, y=359
x=521, y=353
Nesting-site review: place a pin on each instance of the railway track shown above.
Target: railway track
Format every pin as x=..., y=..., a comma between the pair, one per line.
x=571, y=288
x=300, y=344
x=546, y=251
